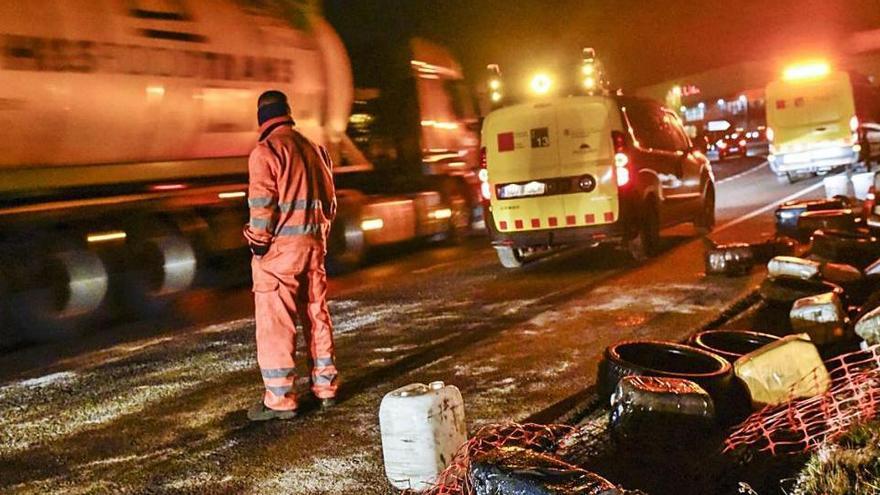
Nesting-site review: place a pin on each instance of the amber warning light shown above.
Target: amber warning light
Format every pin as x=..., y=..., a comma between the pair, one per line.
x=808, y=70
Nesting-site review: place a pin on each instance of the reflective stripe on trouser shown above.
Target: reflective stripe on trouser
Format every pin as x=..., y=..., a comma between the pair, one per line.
x=287, y=285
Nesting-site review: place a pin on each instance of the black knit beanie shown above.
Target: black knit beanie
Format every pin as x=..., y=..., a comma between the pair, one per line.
x=272, y=104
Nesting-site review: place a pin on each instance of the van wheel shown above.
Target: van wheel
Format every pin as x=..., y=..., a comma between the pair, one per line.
x=705, y=221
x=510, y=257
x=792, y=177
x=647, y=240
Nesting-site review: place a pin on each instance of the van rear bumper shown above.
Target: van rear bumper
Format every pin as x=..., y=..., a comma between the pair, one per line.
x=813, y=160
x=605, y=233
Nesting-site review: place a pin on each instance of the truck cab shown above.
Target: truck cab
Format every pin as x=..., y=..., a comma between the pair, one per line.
x=590, y=170
x=407, y=167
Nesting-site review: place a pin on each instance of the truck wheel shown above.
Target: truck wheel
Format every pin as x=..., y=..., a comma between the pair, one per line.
x=646, y=242
x=455, y=195
x=160, y=267
x=69, y=288
x=8, y=334
x=347, y=247
x=510, y=257
x=705, y=221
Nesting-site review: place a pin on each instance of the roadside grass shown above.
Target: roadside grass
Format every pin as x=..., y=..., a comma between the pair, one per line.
x=849, y=466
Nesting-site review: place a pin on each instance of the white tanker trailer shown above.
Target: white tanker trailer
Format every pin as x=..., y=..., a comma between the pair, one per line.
x=126, y=126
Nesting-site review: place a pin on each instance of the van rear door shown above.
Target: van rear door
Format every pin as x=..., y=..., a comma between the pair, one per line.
x=809, y=114
x=585, y=149
x=537, y=155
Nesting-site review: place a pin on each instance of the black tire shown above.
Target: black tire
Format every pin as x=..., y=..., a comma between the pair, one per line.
x=346, y=247
x=455, y=195
x=811, y=221
x=731, y=344
x=792, y=177
x=69, y=288
x=666, y=359
x=853, y=248
x=662, y=359
x=646, y=243
x=705, y=221
x=510, y=257
x=785, y=291
x=8, y=333
x=157, y=269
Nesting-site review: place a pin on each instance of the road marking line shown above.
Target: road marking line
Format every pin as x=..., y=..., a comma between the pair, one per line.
x=743, y=174
x=768, y=207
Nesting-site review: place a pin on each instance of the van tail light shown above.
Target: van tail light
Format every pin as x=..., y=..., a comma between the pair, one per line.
x=770, y=134
x=621, y=159
x=483, y=175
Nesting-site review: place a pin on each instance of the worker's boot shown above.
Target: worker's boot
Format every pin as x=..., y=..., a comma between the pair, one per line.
x=259, y=412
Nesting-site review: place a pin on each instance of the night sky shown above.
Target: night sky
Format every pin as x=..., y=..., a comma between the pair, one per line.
x=641, y=42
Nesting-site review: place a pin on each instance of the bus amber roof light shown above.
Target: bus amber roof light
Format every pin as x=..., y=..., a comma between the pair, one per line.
x=812, y=70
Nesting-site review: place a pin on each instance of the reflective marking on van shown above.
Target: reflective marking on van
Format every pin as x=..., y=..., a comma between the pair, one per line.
x=609, y=216
x=570, y=220
x=552, y=221
x=590, y=218
x=536, y=223
x=503, y=225
x=518, y=224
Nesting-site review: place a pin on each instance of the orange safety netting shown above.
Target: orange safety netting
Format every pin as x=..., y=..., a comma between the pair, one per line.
x=802, y=425
x=454, y=480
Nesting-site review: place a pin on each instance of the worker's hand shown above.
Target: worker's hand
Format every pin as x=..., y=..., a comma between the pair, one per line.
x=258, y=250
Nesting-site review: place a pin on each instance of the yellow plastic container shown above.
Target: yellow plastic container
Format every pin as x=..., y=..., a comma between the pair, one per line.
x=787, y=369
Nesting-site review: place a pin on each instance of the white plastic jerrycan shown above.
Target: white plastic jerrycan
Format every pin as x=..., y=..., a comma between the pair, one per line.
x=422, y=428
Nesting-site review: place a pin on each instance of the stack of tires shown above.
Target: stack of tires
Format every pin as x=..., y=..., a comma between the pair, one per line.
x=691, y=386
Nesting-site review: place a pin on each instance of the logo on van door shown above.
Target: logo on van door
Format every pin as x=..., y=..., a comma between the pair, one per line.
x=540, y=137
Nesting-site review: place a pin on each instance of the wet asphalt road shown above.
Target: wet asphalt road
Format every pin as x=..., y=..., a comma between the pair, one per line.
x=157, y=407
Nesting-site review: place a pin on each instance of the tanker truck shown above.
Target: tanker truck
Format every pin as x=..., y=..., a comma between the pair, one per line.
x=126, y=126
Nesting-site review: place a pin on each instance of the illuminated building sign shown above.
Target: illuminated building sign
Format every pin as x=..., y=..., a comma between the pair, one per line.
x=690, y=90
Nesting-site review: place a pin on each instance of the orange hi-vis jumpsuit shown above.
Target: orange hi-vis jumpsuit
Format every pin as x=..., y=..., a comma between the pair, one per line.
x=292, y=202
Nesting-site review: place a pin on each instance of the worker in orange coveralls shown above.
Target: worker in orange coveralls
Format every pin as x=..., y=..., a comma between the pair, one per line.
x=292, y=202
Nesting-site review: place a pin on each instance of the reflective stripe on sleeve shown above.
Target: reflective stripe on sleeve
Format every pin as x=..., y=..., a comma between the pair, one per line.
x=300, y=204
x=259, y=202
x=260, y=223
x=277, y=372
x=299, y=230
